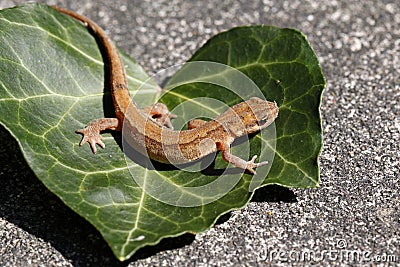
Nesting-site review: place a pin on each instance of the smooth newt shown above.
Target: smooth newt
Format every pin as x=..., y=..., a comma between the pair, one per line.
x=150, y=130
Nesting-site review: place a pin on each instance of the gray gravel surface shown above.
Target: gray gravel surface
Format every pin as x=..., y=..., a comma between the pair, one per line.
x=353, y=218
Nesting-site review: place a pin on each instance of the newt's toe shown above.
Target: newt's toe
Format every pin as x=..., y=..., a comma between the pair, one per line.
x=92, y=137
x=251, y=165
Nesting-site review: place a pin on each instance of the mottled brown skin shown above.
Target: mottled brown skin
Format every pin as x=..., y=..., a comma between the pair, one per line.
x=145, y=127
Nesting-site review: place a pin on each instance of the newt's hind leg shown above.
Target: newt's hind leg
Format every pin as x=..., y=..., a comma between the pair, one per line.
x=91, y=133
x=160, y=114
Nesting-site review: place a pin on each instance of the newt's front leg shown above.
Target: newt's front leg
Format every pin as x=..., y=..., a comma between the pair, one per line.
x=226, y=151
x=238, y=162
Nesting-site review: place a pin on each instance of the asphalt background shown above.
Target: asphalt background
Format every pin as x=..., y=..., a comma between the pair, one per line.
x=356, y=208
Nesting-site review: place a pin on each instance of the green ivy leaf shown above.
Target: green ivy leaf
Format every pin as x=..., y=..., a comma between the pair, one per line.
x=51, y=83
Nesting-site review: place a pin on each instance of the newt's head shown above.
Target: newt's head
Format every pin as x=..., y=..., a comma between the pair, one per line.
x=265, y=111
x=251, y=116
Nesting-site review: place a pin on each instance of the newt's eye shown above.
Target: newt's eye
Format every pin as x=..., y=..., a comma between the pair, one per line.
x=262, y=122
x=156, y=116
